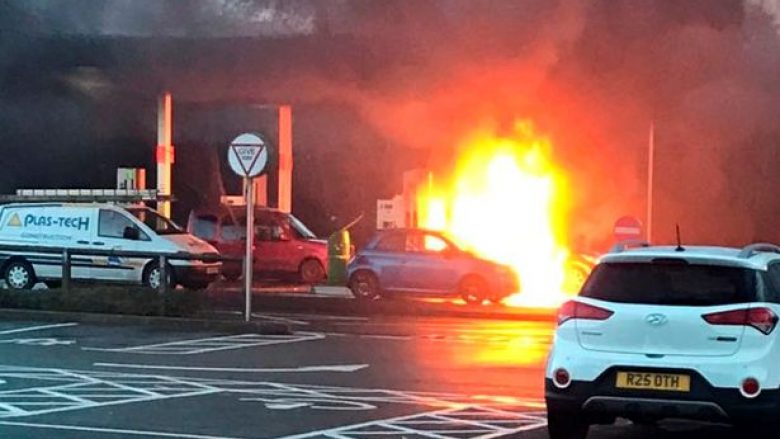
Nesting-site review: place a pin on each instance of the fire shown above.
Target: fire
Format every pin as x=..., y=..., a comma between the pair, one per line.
x=506, y=201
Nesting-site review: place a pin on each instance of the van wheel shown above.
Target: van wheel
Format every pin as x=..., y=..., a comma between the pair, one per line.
x=566, y=425
x=19, y=275
x=365, y=286
x=473, y=290
x=311, y=272
x=152, y=276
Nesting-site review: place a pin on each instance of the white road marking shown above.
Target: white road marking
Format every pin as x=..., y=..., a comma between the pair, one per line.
x=38, y=341
x=213, y=344
x=37, y=328
x=279, y=319
x=70, y=390
x=326, y=368
x=112, y=430
x=454, y=416
x=451, y=423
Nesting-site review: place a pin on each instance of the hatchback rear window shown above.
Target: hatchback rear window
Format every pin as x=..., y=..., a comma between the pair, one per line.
x=671, y=284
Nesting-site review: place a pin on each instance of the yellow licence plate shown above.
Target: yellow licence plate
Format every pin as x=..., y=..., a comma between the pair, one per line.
x=653, y=381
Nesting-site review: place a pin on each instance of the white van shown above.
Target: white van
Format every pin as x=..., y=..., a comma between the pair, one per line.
x=97, y=226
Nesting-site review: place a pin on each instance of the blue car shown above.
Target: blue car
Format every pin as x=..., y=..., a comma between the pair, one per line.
x=422, y=262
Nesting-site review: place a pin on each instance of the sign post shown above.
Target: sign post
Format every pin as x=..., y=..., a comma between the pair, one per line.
x=248, y=156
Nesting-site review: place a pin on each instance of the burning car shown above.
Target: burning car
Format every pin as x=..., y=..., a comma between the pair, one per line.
x=422, y=262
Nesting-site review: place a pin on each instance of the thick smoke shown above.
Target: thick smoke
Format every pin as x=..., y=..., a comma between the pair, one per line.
x=386, y=85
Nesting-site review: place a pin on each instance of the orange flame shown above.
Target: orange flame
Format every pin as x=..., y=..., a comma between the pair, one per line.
x=507, y=202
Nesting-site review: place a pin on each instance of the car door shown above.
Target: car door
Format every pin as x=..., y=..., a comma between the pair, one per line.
x=386, y=258
x=112, y=235
x=266, y=256
x=429, y=265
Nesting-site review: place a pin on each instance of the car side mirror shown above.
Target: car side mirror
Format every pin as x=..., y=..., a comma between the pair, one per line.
x=131, y=233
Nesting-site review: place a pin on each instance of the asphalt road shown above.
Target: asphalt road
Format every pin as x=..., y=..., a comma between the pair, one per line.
x=334, y=377
x=338, y=377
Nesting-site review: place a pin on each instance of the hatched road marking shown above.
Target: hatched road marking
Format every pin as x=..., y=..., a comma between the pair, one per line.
x=472, y=422
x=214, y=344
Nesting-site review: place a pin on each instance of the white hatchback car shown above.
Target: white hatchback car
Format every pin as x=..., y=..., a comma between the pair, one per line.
x=669, y=332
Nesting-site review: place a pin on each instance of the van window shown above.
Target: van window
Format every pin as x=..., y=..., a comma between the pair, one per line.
x=301, y=229
x=205, y=227
x=671, y=284
x=160, y=224
x=112, y=224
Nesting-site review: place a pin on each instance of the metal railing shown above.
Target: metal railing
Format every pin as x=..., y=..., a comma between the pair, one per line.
x=162, y=258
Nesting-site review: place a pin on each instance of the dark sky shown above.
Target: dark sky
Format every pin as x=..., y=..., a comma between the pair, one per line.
x=386, y=85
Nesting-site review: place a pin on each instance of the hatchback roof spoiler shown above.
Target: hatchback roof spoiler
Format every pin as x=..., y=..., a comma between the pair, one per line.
x=759, y=247
x=625, y=245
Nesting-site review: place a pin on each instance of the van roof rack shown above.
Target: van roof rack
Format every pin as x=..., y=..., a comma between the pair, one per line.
x=85, y=196
x=759, y=247
x=625, y=245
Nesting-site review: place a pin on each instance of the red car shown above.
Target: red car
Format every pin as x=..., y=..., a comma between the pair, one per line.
x=284, y=247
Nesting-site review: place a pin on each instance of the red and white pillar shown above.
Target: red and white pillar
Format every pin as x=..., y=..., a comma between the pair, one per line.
x=165, y=151
x=285, y=159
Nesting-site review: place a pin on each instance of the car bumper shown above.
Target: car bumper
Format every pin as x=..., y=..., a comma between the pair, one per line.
x=600, y=399
x=504, y=286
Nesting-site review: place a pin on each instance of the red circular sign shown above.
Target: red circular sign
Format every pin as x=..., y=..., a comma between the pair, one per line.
x=628, y=228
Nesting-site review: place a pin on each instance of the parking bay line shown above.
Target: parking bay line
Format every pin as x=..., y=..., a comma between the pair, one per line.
x=112, y=430
x=343, y=368
x=38, y=328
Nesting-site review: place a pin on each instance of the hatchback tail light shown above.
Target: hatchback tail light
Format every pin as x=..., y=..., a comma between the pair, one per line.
x=578, y=310
x=763, y=319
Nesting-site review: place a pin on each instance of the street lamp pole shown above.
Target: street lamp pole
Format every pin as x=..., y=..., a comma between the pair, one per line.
x=650, y=163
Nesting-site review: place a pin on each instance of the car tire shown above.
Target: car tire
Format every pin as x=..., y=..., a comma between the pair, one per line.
x=473, y=290
x=566, y=425
x=151, y=277
x=311, y=272
x=19, y=275
x=364, y=285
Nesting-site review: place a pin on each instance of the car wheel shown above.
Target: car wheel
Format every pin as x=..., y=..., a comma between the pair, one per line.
x=473, y=290
x=152, y=276
x=19, y=275
x=311, y=272
x=365, y=286
x=566, y=425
